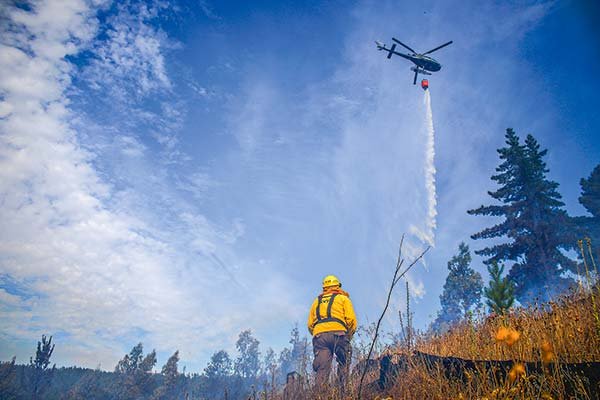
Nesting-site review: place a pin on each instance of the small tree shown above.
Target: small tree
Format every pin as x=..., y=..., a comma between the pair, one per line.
x=170, y=379
x=134, y=370
x=299, y=354
x=406, y=327
x=143, y=376
x=8, y=376
x=131, y=361
x=286, y=363
x=169, y=370
x=270, y=369
x=462, y=290
x=40, y=376
x=218, y=372
x=500, y=291
x=219, y=365
x=247, y=364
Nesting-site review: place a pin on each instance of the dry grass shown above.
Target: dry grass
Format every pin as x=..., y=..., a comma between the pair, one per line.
x=566, y=327
x=564, y=331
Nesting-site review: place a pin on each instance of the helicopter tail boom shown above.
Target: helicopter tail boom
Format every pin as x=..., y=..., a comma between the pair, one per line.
x=391, y=51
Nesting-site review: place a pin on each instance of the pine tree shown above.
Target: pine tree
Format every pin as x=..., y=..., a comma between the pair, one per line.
x=462, y=290
x=590, y=192
x=590, y=199
x=533, y=222
x=500, y=291
x=40, y=376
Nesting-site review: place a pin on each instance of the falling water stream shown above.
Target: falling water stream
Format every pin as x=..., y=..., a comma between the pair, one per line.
x=430, y=172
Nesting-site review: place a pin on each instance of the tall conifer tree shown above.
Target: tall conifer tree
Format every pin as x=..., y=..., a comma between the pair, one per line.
x=533, y=222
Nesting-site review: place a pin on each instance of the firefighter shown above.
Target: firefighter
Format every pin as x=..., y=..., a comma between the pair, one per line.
x=332, y=323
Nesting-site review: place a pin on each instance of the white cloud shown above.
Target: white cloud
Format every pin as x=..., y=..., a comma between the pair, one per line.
x=130, y=63
x=101, y=265
x=126, y=71
x=10, y=299
x=200, y=90
x=131, y=146
x=197, y=183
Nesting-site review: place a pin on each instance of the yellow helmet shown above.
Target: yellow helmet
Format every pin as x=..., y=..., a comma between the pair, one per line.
x=331, y=280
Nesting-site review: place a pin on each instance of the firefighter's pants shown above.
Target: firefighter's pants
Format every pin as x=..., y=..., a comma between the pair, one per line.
x=325, y=345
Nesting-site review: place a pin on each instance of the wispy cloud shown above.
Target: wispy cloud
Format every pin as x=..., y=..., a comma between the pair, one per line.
x=208, y=10
x=129, y=60
x=252, y=116
x=105, y=267
x=198, y=183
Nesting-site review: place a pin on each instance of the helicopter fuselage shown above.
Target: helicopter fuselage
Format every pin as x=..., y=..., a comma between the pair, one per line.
x=424, y=62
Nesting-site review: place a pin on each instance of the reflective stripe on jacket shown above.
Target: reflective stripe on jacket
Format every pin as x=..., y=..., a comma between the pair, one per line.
x=331, y=311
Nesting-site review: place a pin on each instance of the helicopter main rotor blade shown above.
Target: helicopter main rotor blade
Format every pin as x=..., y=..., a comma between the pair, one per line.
x=437, y=48
x=402, y=44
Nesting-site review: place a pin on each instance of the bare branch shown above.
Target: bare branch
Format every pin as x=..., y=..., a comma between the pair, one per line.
x=395, y=280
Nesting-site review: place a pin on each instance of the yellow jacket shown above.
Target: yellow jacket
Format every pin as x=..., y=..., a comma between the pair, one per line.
x=342, y=316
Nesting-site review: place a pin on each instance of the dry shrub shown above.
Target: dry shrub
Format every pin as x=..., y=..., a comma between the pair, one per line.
x=565, y=327
x=563, y=331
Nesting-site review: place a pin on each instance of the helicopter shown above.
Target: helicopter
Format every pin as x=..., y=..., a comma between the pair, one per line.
x=423, y=63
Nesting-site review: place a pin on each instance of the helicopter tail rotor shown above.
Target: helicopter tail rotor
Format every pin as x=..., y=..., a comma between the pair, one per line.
x=391, y=51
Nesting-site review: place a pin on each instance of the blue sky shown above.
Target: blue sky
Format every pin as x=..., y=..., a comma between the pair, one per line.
x=174, y=173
